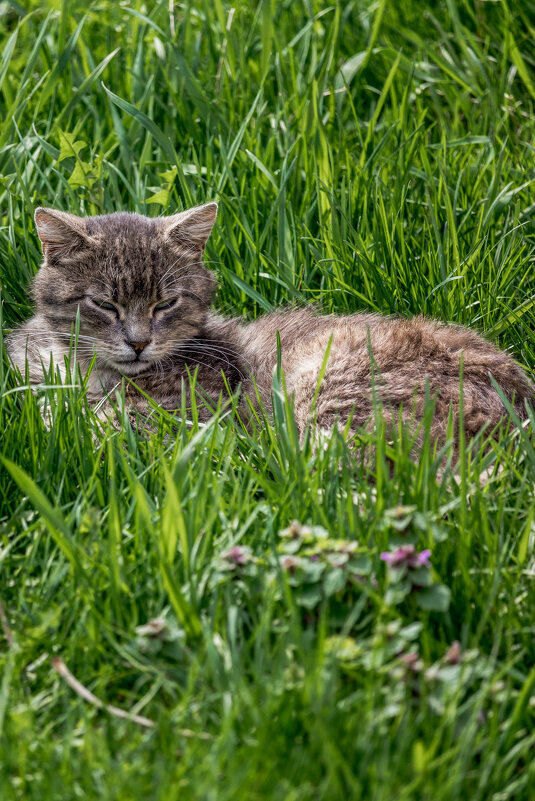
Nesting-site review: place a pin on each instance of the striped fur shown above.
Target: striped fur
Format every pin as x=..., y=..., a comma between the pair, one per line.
x=114, y=272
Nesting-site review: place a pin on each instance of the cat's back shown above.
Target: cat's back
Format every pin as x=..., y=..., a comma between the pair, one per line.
x=305, y=336
x=361, y=342
x=398, y=359
x=302, y=332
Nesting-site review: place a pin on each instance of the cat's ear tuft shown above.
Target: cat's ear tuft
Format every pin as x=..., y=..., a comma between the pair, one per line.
x=59, y=232
x=192, y=226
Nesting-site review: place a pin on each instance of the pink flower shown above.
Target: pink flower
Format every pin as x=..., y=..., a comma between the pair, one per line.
x=237, y=556
x=411, y=661
x=407, y=556
x=454, y=654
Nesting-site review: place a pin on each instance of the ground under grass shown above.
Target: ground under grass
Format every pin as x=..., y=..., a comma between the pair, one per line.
x=366, y=156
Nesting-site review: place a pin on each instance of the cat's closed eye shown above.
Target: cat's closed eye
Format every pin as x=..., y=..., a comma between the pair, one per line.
x=104, y=304
x=166, y=304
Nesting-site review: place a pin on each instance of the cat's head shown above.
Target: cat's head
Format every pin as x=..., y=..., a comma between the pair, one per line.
x=138, y=283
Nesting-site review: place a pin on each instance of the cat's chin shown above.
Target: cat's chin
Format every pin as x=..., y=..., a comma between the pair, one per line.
x=132, y=368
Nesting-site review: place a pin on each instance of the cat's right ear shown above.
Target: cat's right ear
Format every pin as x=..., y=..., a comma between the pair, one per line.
x=191, y=227
x=59, y=232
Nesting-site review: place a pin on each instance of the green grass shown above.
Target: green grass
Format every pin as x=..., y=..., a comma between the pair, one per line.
x=366, y=156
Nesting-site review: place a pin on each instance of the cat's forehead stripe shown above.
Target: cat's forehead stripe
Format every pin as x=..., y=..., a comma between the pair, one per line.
x=141, y=264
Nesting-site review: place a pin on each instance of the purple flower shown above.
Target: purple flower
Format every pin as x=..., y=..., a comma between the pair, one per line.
x=407, y=556
x=237, y=556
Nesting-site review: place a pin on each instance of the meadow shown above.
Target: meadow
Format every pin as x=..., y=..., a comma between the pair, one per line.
x=248, y=616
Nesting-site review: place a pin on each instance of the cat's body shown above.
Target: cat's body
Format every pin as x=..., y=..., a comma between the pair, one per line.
x=375, y=358
x=143, y=296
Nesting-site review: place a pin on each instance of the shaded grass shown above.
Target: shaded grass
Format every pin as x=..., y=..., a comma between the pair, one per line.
x=365, y=157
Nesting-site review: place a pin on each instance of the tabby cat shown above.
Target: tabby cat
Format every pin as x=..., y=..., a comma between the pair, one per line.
x=142, y=296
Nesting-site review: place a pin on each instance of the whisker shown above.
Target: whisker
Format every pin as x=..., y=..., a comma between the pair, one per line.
x=169, y=270
x=44, y=332
x=187, y=356
x=211, y=346
x=208, y=340
x=202, y=363
x=208, y=349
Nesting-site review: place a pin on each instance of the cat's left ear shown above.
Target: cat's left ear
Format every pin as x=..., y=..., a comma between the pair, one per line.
x=192, y=226
x=60, y=233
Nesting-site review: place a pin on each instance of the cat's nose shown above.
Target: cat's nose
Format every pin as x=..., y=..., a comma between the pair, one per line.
x=138, y=346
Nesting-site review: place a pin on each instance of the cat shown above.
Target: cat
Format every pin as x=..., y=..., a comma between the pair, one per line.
x=141, y=295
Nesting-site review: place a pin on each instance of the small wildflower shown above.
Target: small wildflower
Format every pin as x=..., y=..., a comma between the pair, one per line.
x=297, y=531
x=407, y=556
x=290, y=563
x=154, y=628
x=454, y=654
x=237, y=556
x=412, y=661
x=157, y=634
x=294, y=530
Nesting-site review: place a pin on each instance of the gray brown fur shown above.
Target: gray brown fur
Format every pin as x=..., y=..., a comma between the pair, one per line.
x=135, y=263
